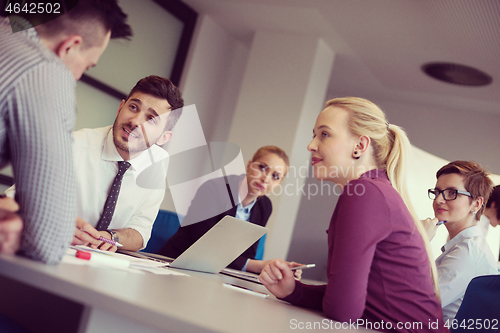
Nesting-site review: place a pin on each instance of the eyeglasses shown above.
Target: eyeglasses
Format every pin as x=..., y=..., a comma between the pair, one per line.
x=448, y=194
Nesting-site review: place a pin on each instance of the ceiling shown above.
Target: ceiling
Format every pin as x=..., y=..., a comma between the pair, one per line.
x=381, y=45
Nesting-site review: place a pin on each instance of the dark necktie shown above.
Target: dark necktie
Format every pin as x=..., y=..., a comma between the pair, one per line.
x=109, y=206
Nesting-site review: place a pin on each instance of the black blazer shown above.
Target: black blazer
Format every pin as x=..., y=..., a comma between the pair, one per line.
x=208, y=197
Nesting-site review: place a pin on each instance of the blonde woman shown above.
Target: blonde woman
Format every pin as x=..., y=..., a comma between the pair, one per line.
x=379, y=272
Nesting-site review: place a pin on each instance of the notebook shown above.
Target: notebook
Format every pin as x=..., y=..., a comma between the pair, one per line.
x=217, y=248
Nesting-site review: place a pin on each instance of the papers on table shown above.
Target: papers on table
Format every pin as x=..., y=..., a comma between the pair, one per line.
x=117, y=261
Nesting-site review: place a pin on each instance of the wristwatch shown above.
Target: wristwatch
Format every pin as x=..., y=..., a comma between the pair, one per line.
x=114, y=235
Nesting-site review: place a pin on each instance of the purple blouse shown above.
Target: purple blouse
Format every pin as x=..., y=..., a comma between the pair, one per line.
x=378, y=269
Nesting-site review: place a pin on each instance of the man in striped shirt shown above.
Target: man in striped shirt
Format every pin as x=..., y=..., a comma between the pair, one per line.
x=38, y=69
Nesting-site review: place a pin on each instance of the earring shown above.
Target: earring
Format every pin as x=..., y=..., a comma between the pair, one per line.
x=355, y=154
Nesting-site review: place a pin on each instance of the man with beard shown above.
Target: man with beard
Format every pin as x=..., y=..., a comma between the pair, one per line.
x=143, y=123
x=124, y=211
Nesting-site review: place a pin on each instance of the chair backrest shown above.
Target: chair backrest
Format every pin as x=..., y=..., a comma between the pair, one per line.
x=165, y=226
x=481, y=306
x=260, y=248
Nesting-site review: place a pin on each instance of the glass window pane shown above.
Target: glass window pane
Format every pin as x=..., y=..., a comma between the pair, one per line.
x=151, y=51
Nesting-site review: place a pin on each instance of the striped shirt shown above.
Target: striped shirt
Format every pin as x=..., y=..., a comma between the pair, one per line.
x=37, y=116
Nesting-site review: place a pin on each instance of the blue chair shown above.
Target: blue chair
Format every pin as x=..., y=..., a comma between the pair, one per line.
x=481, y=304
x=165, y=226
x=260, y=248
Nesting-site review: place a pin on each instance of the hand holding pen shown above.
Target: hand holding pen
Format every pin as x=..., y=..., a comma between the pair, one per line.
x=431, y=225
x=107, y=244
x=109, y=241
x=85, y=234
x=297, y=269
x=278, y=278
x=303, y=267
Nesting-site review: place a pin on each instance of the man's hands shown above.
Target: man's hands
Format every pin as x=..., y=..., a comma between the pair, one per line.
x=278, y=278
x=106, y=246
x=85, y=234
x=11, y=226
x=8, y=204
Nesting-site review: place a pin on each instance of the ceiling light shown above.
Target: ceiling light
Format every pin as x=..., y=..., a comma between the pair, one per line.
x=456, y=74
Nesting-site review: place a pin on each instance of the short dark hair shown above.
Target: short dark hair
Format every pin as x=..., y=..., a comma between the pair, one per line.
x=495, y=198
x=476, y=180
x=82, y=19
x=163, y=88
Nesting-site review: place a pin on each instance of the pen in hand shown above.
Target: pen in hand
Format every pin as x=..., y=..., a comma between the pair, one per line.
x=303, y=267
x=109, y=241
x=441, y=222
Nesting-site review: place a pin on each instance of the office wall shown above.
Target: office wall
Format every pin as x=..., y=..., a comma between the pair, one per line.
x=211, y=81
x=94, y=108
x=441, y=129
x=151, y=51
x=213, y=75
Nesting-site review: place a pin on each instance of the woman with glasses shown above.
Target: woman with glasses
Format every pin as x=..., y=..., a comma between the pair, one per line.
x=462, y=189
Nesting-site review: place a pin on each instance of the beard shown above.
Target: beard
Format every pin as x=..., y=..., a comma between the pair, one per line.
x=138, y=145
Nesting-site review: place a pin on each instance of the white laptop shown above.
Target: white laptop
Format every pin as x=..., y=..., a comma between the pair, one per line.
x=219, y=246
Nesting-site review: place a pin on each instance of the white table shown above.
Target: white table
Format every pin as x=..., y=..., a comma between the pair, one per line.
x=79, y=299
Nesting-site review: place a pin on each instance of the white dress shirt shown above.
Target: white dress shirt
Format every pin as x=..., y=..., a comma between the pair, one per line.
x=464, y=257
x=95, y=157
